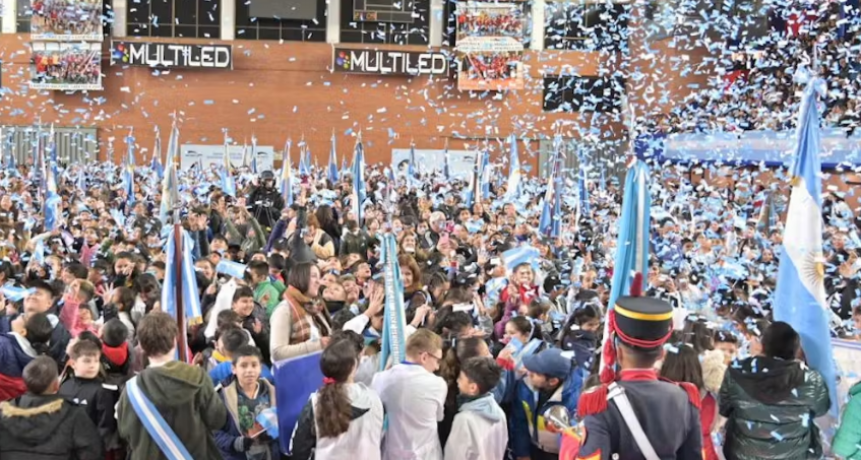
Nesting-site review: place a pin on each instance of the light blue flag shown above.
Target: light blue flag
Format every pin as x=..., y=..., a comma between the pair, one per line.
x=485, y=175
x=231, y=268
x=170, y=184
x=129, y=171
x=475, y=183
x=156, y=164
x=582, y=186
x=359, y=192
x=603, y=184
x=295, y=380
x=228, y=182
x=547, y=224
x=15, y=293
x=512, y=190
x=393, y=342
x=190, y=293
x=287, y=175
x=800, y=295
x=333, y=163
x=446, y=171
x=520, y=255
x=13, y=162
x=254, y=154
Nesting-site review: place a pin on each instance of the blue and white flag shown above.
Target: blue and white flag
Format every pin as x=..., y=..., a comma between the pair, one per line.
x=411, y=165
x=228, y=182
x=190, y=294
x=520, y=255
x=512, y=190
x=799, y=298
x=170, y=184
x=129, y=171
x=446, y=171
x=156, y=426
x=359, y=192
x=287, y=175
x=332, y=172
x=304, y=167
x=393, y=341
x=156, y=164
x=486, y=171
x=254, y=154
x=231, y=268
x=550, y=221
x=583, y=186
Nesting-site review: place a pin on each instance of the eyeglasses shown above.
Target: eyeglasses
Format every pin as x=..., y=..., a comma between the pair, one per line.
x=438, y=358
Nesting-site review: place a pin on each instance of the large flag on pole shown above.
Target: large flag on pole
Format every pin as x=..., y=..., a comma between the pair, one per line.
x=156, y=164
x=333, y=162
x=799, y=298
x=170, y=185
x=549, y=214
x=190, y=297
x=485, y=174
x=254, y=154
x=228, y=183
x=129, y=173
x=50, y=198
x=411, y=166
x=445, y=170
x=474, y=182
x=632, y=244
x=358, y=179
x=393, y=342
x=287, y=175
x=582, y=185
x=512, y=190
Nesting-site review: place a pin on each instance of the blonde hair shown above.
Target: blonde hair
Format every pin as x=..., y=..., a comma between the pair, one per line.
x=423, y=341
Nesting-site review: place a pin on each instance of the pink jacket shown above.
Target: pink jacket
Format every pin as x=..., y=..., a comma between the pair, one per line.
x=70, y=319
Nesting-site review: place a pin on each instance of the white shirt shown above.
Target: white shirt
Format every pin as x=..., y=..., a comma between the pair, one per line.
x=414, y=400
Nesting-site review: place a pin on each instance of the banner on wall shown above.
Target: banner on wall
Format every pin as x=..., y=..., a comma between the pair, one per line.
x=66, y=66
x=461, y=163
x=66, y=20
x=490, y=46
x=172, y=55
x=207, y=156
x=389, y=62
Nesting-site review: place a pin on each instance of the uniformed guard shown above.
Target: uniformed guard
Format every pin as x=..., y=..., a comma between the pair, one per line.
x=632, y=415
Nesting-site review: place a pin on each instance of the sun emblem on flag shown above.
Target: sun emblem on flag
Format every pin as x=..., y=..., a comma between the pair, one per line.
x=813, y=268
x=795, y=181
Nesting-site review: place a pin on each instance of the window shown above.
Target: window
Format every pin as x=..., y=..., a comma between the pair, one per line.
x=583, y=94
x=22, y=24
x=586, y=26
x=415, y=33
x=249, y=27
x=174, y=18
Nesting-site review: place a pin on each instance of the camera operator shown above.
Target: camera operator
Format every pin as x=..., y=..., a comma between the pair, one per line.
x=266, y=201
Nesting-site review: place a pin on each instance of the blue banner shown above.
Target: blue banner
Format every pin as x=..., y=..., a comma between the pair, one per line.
x=295, y=380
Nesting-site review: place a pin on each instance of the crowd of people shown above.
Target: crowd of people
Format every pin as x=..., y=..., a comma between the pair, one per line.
x=68, y=66
x=494, y=343
x=63, y=17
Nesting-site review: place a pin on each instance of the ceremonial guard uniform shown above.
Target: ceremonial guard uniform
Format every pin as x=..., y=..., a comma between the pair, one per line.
x=634, y=415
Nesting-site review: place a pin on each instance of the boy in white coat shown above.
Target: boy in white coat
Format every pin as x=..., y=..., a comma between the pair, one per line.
x=480, y=431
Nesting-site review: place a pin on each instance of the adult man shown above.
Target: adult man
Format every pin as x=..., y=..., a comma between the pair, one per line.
x=550, y=382
x=182, y=394
x=414, y=399
x=41, y=300
x=637, y=416
x=265, y=201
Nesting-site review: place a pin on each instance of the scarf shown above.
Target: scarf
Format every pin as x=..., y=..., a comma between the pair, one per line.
x=306, y=312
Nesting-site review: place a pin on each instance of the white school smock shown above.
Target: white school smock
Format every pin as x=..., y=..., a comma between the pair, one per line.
x=414, y=400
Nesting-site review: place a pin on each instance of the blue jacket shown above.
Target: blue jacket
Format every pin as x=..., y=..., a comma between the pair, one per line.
x=224, y=371
x=226, y=437
x=525, y=416
x=13, y=358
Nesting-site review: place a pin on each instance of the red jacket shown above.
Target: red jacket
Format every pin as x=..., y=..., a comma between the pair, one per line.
x=708, y=411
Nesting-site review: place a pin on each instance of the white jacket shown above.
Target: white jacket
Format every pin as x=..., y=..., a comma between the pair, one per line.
x=479, y=432
x=414, y=400
x=362, y=441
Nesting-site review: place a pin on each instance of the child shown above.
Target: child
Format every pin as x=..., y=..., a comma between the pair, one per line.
x=578, y=335
x=726, y=342
x=116, y=352
x=245, y=397
x=211, y=356
x=44, y=425
x=87, y=389
x=75, y=315
x=480, y=430
x=230, y=341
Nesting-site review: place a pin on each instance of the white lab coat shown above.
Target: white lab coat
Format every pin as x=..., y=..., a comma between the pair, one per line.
x=414, y=400
x=479, y=432
x=362, y=439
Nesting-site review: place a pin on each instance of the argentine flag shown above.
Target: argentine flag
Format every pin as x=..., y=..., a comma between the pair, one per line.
x=800, y=295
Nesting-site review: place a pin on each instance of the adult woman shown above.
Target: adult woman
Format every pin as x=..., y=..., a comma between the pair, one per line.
x=409, y=245
x=411, y=276
x=344, y=419
x=329, y=223
x=300, y=324
x=683, y=365
x=321, y=243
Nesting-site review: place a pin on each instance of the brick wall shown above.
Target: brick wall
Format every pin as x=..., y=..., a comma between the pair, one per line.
x=285, y=89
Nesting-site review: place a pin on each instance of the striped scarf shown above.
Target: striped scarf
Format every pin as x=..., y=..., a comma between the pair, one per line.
x=306, y=312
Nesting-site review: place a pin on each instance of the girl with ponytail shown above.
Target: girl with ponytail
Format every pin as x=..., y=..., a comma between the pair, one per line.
x=29, y=338
x=343, y=419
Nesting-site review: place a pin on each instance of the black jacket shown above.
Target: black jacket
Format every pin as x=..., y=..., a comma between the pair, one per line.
x=98, y=401
x=266, y=206
x=47, y=428
x=766, y=400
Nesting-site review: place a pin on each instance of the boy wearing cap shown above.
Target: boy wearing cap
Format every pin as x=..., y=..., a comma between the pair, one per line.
x=552, y=379
x=633, y=415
